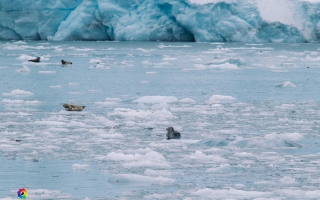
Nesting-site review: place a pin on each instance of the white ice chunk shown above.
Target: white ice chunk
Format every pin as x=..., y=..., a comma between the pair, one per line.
x=18, y=92
x=23, y=69
x=79, y=166
x=134, y=178
x=216, y=99
x=17, y=102
x=47, y=72
x=187, y=100
x=285, y=84
x=156, y=99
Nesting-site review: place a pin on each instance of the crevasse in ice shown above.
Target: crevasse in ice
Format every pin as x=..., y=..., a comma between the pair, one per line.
x=165, y=20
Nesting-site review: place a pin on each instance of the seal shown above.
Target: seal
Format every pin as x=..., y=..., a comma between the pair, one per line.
x=172, y=134
x=70, y=107
x=35, y=60
x=66, y=62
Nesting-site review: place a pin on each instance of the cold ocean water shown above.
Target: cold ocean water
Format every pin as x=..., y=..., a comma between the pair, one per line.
x=248, y=115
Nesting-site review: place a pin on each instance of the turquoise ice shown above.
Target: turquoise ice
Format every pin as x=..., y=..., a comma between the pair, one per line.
x=161, y=20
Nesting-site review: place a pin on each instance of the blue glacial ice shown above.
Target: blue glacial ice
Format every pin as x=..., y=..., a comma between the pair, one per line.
x=161, y=20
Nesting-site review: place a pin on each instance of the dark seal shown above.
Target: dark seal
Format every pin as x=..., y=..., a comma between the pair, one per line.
x=66, y=62
x=35, y=60
x=172, y=134
x=70, y=107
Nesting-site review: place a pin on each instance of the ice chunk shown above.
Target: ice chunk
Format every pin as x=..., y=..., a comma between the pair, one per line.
x=187, y=100
x=285, y=84
x=47, y=72
x=230, y=193
x=198, y=155
x=221, y=99
x=79, y=166
x=17, y=102
x=156, y=99
x=23, y=69
x=134, y=178
x=18, y=92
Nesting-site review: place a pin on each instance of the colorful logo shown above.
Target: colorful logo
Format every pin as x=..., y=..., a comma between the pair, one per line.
x=22, y=193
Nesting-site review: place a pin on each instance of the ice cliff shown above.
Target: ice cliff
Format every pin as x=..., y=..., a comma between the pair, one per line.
x=164, y=20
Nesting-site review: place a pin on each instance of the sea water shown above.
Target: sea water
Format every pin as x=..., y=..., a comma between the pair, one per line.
x=248, y=115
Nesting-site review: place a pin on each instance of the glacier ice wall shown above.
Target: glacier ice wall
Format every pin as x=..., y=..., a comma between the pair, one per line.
x=164, y=20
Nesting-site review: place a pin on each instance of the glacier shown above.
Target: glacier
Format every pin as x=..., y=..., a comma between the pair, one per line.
x=161, y=20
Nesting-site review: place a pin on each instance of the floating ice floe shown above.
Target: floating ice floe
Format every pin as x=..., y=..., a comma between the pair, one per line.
x=224, y=66
x=312, y=59
x=198, y=155
x=287, y=180
x=156, y=99
x=19, y=42
x=284, y=136
x=225, y=61
x=162, y=64
x=221, y=99
x=109, y=101
x=128, y=113
x=80, y=166
x=151, y=72
x=17, y=102
x=146, y=62
x=23, y=69
x=74, y=84
x=187, y=100
x=150, y=159
x=169, y=58
x=229, y=194
x=120, y=156
x=285, y=84
x=95, y=60
x=143, y=50
x=47, y=72
x=151, y=172
x=136, y=179
x=100, y=66
x=56, y=86
x=18, y=92
x=25, y=57
x=80, y=49
x=106, y=135
x=172, y=46
x=254, y=48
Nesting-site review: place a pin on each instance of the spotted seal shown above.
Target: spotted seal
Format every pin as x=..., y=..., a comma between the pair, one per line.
x=172, y=134
x=66, y=62
x=70, y=107
x=35, y=60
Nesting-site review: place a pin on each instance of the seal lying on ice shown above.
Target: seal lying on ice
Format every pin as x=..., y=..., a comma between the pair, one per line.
x=35, y=60
x=172, y=134
x=70, y=107
x=66, y=62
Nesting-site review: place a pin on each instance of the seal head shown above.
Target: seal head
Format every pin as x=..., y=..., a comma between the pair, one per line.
x=172, y=134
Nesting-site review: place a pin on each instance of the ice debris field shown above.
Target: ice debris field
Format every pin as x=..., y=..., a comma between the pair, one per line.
x=248, y=115
x=164, y=20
